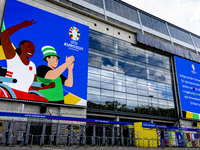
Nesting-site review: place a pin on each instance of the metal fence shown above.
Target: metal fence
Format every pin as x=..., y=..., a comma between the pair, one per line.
x=64, y=141
x=48, y=134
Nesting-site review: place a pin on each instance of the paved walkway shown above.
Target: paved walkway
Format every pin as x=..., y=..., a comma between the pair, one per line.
x=90, y=148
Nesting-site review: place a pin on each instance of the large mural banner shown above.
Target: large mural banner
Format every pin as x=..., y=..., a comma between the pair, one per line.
x=43, y=57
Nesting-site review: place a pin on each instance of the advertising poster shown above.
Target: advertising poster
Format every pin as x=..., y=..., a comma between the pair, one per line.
x=188, y=76
x=43, y=57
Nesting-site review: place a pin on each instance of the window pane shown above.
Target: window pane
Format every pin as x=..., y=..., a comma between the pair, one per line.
x=120, y=95
x=131, y=97
x=106, y=93
x=94, y=83
x=93, y=90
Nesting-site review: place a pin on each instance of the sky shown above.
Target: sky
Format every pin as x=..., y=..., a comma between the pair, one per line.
x=182, y=13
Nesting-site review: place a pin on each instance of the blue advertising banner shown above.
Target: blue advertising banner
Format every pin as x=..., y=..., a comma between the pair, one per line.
x=43, y=57
x=188, y=76
x=148, y=125
x=51, y=117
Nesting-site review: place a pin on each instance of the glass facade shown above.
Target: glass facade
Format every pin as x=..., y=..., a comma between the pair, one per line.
x=196, y=41
x=153, y=23
x=147, y=20
x=121, y=10
x=123, y=77
x=180, y=35
x=98, y=3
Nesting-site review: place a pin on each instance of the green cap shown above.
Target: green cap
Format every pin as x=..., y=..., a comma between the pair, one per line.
x=49, y=51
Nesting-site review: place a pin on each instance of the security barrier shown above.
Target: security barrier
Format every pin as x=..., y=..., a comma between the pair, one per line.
x=48, y=134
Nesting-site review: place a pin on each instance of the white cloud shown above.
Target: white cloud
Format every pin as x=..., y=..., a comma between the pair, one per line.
x=182, y=13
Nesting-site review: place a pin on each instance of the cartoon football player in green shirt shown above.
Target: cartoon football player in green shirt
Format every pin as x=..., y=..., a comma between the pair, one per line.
x=50, y=73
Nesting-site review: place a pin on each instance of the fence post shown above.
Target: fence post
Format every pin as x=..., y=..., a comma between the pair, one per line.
x=50, y=141
x=11, y=138
x=22, y=141
x=84, y=136
x=106, y=142
x=162, y=143
x=92, y=138
x=113, y=131
x=4, y=143
x=10, y=131
x=122, y=140
x=99, y=141
x=104, y=135
x=129, y=131
x=59, y=140
x=85, y=142
x=13, y=141
x=94, y=135
x=43, y=133
x=143, y=143
x=57, y=134
x=41, y=141
x=71, y=134
x=27, y=133
x=128, y=142
x=31, y=141
x=0, y=138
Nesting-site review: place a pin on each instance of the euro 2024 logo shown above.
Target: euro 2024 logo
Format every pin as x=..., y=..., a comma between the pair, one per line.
x=75, y=35
x=193, y=69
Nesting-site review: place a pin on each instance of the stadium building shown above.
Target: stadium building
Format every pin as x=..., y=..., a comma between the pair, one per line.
x=138, y=66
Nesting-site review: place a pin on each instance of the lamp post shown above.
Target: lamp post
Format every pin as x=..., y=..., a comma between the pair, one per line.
x=151, y=96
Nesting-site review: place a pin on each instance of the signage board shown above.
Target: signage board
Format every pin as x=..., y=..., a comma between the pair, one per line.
x=43, y=56
x=188, y=76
